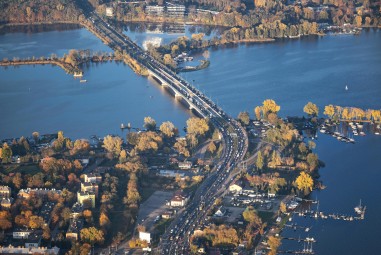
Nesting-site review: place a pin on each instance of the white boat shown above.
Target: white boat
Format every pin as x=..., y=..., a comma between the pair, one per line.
x=359, y=209
x=82, y=80
x=346, y=87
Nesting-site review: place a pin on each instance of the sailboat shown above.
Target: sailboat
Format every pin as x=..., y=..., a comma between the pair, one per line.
x=346, y=87
x=359, y=209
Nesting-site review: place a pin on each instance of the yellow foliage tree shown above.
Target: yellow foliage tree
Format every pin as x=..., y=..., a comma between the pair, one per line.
x=304, y=182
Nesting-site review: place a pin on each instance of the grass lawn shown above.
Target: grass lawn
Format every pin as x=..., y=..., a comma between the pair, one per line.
x=24, y=169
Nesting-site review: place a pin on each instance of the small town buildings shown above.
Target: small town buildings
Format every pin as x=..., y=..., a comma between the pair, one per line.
x=34, y=239
x=6, y=203
x=179, y=199
x=82, y=197
x=154, y=10
x=93, y=178
x=167, y=215
x=185, y=165
x=109, y=12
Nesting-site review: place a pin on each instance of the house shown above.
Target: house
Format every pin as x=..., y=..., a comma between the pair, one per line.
x=74, y=229
x=5, y=192
x=19, y=233
x=93, y=178
x=145, y=236
x=179, y=199
x=86, y=196
x=185, y=165
x=220, y=212
x=90, y=187
x=109, y=12
x=167, y=215
x=6, y=203
x=235, y=187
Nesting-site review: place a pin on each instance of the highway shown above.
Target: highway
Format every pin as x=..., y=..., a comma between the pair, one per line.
x=176, y=239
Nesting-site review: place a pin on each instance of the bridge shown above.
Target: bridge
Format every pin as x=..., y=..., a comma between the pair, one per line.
x=176, y=239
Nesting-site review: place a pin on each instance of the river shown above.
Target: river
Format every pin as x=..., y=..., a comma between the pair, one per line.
x=239, y=78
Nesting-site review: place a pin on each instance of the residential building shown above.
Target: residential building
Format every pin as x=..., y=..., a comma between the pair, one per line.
x=5, y=192
x=167, y=215
x=74, y=229
x=19, y=233
x=26, y=193
x=155, y=10
x=90, y=187
x=179, y=199
x=6, y=203
x=185, y=165
x=109, y=12
x=176, y=11
x=86, y=196
x=24, y=250
x=34, y=239
x=93, y=178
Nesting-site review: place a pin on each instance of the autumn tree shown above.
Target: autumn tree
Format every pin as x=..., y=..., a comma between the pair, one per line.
x=212, y=147
x=260, y=161
x=113, y=145
x=311, y=109
x=197, y=126
x=148, y=141
x=122, y=156
x=251, y=216
x=149, y=123
x=36, y=136
x=5, y=220
x=329, y=110
x=269, y=106
x=168, y=129
x=304, y=182
x=244, y=118
x=36, y=222
x=104, y=221
x=257, y=112
x=181, y=147
x=92, y=235
x=274, y=243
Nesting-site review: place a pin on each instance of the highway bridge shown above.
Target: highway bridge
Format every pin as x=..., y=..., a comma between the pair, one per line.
x=176, y=239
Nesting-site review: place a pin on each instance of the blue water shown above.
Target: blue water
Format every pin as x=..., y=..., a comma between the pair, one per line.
x=239, y=78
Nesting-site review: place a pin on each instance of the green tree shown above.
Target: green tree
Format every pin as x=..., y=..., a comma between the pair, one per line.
x=311, y=109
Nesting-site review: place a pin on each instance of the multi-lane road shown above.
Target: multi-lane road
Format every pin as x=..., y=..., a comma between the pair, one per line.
x=176, y=238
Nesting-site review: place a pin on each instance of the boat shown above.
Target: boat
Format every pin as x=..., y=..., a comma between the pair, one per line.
x=359, y=209
x=82, y=81
x=346, y=87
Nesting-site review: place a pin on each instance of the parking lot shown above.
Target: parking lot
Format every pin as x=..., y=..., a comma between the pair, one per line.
x=154, y=206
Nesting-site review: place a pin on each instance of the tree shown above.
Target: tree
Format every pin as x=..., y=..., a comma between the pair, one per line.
x=36, y=136
x=244, y=118
x=304, y=182
x=260, y=162
x=149, y=141
x=6, y=153
x=311, y=109
x=282, y=207
x=168, y=129
x=122, y=156
x=251, y=216
x=181, y=147
x=149, y=123
x=5, y=220
x=104, y=221
x=313, y=161
x=46, y=232
x=36, y=222
x=329, y=110
x=197, y=126
x=212, y=147
x=257, y=111
x=274, y=243
x=92, y=235
x=113, y=145
x=269, y=105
